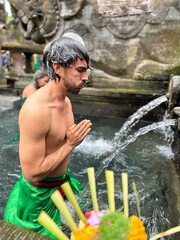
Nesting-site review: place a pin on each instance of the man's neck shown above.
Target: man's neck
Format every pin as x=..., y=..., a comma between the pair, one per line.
x=58, y=91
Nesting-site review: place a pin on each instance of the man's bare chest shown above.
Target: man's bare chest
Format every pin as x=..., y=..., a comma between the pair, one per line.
x=60, y=122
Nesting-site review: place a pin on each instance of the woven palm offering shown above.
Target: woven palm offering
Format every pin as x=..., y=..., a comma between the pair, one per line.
x=99, y=224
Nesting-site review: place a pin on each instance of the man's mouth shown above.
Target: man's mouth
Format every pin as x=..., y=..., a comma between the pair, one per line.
x=84, y=84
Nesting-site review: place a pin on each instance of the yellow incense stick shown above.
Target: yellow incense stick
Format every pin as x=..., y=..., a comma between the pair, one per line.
x=110, y=189
x=61, y=205
x=51, y=226
x=125, y=193
x=92, y=185
x=137, y=199
x=70, y=195
x=167, y=233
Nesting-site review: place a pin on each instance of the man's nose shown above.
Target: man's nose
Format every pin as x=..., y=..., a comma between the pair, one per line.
x=85, y=76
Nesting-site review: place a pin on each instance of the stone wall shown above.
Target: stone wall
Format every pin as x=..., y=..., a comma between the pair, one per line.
x=126, y=39
x=114, y=8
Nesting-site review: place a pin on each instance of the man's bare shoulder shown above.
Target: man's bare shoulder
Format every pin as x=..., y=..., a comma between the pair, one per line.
x=28, y=90
x=34, y=109
x=29, y=87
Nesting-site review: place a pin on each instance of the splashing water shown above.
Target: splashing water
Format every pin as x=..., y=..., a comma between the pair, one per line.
x=127, y=126
x=99, y=146
x=166, y=151
x=133, y=119
x=131, y=138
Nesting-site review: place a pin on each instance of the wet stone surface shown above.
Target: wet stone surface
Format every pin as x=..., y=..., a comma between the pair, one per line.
x=12, y=232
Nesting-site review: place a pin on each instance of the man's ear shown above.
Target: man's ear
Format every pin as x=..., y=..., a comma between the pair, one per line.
x=57, y=68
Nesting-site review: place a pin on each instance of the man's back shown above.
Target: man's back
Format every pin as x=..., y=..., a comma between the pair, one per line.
x=28, y=90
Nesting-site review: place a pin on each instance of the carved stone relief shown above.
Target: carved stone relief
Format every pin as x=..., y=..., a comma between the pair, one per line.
x=129, y=39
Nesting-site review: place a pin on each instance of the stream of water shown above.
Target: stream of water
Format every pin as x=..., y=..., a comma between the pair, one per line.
x=143, y=152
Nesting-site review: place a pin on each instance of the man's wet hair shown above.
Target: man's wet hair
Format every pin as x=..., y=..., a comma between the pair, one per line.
x=65, y=51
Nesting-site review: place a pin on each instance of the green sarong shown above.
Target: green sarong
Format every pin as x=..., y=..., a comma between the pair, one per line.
x=27, y=201
x=23, y=100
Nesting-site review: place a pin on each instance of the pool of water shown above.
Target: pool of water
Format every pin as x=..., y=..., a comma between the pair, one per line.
x=147, y=161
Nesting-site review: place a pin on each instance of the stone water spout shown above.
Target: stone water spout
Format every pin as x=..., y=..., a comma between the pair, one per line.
x=174, y=111
x=174, y=99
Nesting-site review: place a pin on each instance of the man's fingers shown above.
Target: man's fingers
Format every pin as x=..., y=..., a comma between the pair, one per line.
x=77, y=132
x=80, y=125
x=83, y=131
x=71, y=127
x=83, y=123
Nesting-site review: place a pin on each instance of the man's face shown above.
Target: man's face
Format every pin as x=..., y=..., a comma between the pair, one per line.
x=75, y=76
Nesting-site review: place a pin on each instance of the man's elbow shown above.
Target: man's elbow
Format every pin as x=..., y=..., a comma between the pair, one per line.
x=31, y=178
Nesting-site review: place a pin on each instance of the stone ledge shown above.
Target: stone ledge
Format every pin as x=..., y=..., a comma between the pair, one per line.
x=173, y=196
x=8, y=103
x=11, y=232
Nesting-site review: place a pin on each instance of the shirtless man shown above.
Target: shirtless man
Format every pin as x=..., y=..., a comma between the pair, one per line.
x=48, y=135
